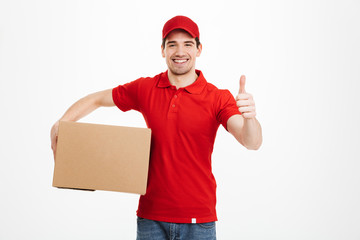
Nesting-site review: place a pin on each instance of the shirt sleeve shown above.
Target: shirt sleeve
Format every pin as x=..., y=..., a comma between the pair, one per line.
x=126, y=97
x=226, y=107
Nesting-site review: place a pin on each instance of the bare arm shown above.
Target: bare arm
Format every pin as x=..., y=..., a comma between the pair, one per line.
x=245, y=128
x=246, y=131
x=82, y=108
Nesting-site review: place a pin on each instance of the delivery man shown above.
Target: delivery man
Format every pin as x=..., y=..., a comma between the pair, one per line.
x=184, y=112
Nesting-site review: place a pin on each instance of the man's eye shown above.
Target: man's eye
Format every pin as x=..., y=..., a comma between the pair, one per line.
x=172, y=45
x=188, y=45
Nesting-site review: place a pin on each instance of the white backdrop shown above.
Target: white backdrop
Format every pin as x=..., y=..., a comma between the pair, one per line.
x=302, y=62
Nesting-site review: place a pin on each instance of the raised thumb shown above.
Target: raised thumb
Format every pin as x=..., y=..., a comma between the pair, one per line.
x=242, y=84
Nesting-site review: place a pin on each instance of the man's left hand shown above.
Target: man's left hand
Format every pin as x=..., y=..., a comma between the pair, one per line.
x=245, y=101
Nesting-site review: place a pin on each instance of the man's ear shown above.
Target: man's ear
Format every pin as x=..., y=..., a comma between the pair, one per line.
x=199, y=49
x=162, y=51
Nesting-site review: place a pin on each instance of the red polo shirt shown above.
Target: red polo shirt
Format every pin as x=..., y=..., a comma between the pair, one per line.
x=181, y=187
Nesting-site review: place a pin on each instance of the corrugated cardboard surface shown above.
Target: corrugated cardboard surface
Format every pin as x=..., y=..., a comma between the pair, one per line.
x=102, y=157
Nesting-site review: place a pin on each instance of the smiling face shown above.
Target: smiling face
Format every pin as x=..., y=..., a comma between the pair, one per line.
x=180, y=52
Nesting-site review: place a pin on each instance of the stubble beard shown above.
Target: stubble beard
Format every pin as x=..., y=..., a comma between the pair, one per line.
x=180, y=71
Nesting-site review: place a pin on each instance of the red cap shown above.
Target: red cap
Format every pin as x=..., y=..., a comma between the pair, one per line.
x=181, y=22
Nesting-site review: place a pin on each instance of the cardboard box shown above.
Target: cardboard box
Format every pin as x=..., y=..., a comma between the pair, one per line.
x=102, y=157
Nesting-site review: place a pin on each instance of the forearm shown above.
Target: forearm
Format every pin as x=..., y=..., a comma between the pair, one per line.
x=80, y=109
x=86, y=105
x=251, y=134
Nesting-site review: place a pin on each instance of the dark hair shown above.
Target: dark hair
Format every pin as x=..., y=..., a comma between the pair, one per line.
x=196, y=40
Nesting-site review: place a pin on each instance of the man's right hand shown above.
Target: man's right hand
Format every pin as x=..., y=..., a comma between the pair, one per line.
x=54, y=136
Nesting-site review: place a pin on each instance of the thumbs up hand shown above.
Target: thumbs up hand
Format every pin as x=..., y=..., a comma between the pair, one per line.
x=245, y=101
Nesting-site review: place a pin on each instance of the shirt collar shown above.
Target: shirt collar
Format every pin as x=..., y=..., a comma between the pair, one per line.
x=194, y=88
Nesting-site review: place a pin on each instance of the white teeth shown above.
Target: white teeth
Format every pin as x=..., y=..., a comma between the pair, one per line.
x=179, y=61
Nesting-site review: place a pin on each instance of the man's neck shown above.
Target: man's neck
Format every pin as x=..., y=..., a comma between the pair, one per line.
x=184, y=80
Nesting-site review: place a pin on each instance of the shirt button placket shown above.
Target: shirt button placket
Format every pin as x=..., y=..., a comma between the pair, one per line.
x=173, y=104
x=174, y=101
x=175, y=97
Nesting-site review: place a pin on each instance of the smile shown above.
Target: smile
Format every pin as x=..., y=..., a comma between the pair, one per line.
x=180, y=60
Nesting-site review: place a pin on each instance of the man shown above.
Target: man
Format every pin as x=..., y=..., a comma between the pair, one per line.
x=184, y=112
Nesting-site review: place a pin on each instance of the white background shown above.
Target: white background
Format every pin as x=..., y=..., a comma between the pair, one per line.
x=302, y=63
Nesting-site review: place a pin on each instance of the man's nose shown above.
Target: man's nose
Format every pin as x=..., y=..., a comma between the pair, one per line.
x=180, y=51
